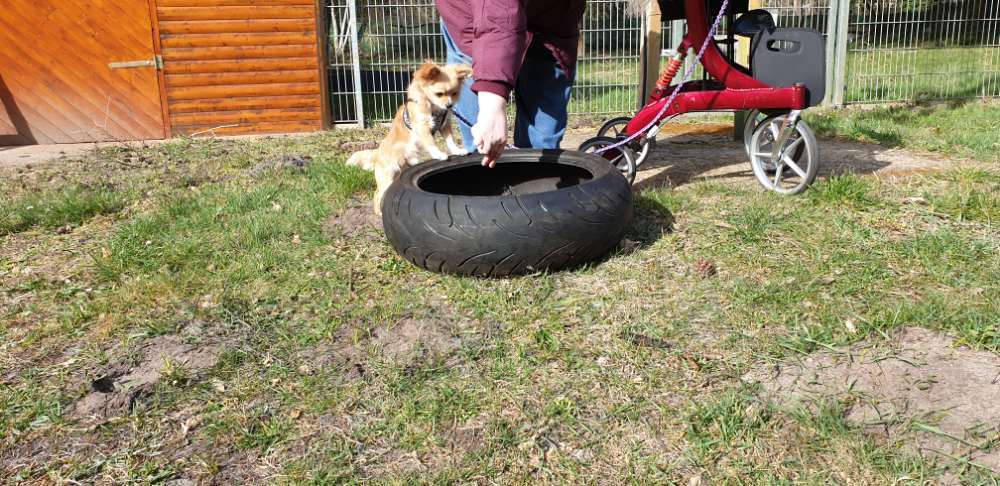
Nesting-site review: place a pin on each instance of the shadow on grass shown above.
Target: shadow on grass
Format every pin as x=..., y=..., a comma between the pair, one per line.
x=851, y=141
x=714, y=155
x=652, y=218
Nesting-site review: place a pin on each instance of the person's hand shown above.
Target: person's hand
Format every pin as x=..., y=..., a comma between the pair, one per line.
x=490, y=131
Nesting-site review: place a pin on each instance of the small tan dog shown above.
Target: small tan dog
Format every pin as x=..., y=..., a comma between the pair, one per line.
x=426, y=111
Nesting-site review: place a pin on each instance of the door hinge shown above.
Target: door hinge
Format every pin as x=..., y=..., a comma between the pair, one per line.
x=156, y=61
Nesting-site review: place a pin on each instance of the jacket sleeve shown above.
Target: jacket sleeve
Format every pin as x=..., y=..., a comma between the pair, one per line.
x=499, y=44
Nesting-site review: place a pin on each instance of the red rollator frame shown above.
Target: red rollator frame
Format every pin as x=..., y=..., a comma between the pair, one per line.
x=781, y=146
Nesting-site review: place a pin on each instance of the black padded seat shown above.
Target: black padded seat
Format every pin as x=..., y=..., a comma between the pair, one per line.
x=753, y=22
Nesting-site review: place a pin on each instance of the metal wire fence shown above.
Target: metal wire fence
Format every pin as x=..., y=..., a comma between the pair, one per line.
x=394, y=36
x=608, y=71
x=922, y=50
x=888, y=50
x=341, y=56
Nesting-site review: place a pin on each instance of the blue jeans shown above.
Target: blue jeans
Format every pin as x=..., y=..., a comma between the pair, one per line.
x=541, y=95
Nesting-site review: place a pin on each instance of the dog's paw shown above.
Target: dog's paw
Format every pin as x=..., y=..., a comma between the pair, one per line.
x=459, y=152
x=439, y=155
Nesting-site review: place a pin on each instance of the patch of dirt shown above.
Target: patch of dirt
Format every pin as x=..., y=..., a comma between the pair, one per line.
x=413, y=336
x=297, y=162
x=687, y=152
x=120, y=385
x=645, y=341
x=917, y=390
x=469, y=438
x=405, y=343
x=390, y=461
x=356, y=219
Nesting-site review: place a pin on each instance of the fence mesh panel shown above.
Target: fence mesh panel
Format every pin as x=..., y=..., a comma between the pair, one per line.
x=922, y=49
x=798, y=13
x=897, y=50
x=396, y=35
x=608, y=71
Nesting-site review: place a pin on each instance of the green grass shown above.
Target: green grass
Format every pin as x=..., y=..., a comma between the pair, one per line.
x=625, y=371
x=51, y=209
x=848, y=190
x=734, y=430
x=922, y=74
x=963, y=129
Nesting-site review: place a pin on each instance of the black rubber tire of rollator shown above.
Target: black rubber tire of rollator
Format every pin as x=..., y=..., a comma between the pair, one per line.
x=521, y=230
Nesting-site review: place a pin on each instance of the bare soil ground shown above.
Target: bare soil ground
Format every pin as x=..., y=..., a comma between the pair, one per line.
x=118, y=386
x=355, y=219
x=686, y=151
x=917, y=390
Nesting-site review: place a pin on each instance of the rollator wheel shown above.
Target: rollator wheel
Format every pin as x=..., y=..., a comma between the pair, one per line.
x=622, y=157
x=753, y=119
x=615, y=128
x=798, y=161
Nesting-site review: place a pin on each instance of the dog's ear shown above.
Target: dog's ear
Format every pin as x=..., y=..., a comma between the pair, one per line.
x=463, y=71
x=429, y=70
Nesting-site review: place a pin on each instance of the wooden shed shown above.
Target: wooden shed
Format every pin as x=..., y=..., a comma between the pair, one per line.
x=93, y=70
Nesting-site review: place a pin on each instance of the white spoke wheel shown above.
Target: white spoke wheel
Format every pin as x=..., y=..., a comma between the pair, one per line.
x=750, y=124
x=615, y=128
x=623, y=158
x=798, y=159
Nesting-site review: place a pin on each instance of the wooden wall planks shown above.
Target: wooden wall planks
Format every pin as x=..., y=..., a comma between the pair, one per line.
x=241, y=66
x=57, y=85
x=250, y=66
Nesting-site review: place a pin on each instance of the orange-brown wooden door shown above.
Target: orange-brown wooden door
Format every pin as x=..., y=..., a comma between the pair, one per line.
x=78, y=71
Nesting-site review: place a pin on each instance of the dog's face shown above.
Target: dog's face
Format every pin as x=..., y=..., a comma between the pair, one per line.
x=441, y=84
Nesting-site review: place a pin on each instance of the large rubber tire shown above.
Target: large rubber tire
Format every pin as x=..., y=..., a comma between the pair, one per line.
x=543, y=225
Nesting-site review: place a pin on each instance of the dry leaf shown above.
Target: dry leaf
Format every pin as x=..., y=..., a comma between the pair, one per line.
x=190, y=424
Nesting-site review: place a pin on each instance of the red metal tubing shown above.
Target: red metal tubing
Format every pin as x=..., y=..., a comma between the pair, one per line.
x=714, y=62
x=739, y=92
x=725, y=99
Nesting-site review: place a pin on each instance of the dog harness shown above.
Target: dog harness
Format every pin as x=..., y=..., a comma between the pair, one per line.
x=437, y=119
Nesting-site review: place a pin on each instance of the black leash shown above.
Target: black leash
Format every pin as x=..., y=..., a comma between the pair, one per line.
x=469, y=124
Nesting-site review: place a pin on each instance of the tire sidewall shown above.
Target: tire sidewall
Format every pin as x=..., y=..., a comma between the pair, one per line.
x=508, y=234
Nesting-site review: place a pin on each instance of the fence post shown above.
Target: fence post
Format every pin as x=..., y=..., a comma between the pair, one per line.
x=677, y=33
x=839, y=64
x=832, y=14
x=652, y=42
x=359, y=107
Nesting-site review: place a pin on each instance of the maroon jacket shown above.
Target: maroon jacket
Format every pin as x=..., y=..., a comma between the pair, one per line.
x=497, y=33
